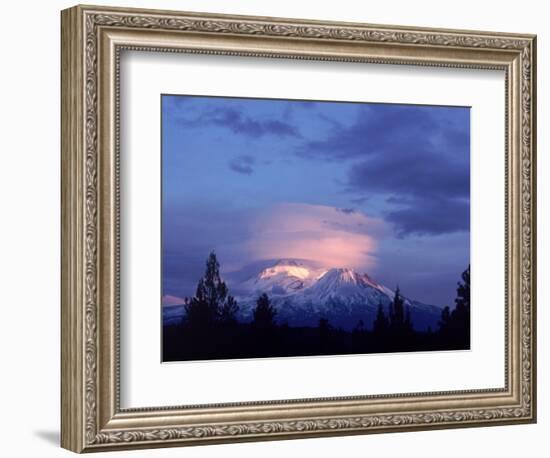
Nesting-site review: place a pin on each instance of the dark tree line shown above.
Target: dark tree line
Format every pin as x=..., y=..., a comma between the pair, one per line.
x=454, y=326
x=211, y=329
x=394, y=331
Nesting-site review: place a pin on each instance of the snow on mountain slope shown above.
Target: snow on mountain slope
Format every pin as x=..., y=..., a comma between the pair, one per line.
x=344, y=285
x=303, y=293
x=284, y=277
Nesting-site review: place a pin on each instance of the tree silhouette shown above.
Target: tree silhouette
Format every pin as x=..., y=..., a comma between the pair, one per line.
x=228, y=312
x=359, y=336
x=445, y=320
x=214, y=289
x=463, y=293
x=199, y=314
x=211, y=328
x=264, y=313
x=400, y=330
x=210, y=296
x=408, y=327
x=397, y=313
x=381, y=324
x=324, y=330
x=461, y=313
x=264, y=329
x=211, y=305
x=454, y=326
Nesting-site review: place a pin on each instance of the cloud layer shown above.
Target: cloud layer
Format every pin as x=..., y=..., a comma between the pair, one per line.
x=417, y=159
x=239, y=123
x=324, y=234
x=242, y=164
x=319, y=233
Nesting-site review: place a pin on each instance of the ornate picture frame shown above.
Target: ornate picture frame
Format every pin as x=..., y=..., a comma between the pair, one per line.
x=92, y=41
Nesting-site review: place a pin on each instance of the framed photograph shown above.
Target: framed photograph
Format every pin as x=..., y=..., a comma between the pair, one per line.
x=278, y=228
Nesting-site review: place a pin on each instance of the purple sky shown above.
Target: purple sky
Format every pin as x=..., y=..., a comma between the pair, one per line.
x=381, y=188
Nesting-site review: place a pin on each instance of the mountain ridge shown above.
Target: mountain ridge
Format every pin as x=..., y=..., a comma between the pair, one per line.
x=302, y=294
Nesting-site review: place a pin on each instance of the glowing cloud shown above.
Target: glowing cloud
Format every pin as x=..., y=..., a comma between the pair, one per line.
x=328, y=235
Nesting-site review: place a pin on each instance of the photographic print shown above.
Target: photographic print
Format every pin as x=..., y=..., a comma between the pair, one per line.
x=304, y=228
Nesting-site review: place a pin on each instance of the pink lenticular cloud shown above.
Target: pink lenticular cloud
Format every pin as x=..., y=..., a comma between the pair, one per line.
x=330, y=236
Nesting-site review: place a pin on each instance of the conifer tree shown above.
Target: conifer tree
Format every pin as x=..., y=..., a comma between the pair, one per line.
x=445, y=318
x=408, y=322
x=397, y=313
x=454, y=326
x=380, y=325
x=211, y=300
x=462, y=300
x=325, y=334
x=264, y=313
x=461, y=314
x=228, y=313
x=215, y=289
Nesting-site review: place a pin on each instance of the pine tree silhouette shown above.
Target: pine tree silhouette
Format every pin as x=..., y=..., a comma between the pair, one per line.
x=445, y=318
x=454, y=326
x=461, y=313
x=407, y=325
x=324, y=330
x=264, y=327
x=381, y=324
x=207, y=310
x=211, y=328
x=359, y=336
x=210, y=296
x=463, y=293
x=397, y=313
x=228, y=312
x=264, y=313
x=400, y=332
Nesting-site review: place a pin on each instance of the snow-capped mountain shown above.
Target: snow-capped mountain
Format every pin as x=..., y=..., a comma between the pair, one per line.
x=302, y=293
x=286, y=276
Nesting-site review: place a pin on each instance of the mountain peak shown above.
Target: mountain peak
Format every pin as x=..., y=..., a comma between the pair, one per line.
x=285, y=269
x=285, y=276
x=341, y=275
x=303, y=290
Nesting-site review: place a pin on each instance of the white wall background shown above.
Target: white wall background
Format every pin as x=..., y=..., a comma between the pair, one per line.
x=29, y=229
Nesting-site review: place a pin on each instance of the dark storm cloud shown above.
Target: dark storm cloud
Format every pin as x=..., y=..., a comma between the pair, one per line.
x=416, y=173
x=241, y=124
x=431, y=216
x=242, y=164
x=417, y=157
x=394, y=128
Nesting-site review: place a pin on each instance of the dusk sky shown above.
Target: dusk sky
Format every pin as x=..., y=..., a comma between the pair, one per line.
x=380, y=188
